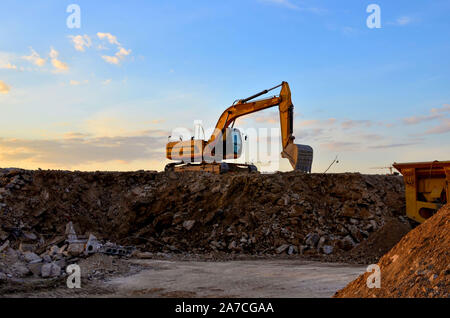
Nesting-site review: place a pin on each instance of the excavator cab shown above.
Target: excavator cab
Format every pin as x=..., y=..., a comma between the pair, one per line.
x=232, y=143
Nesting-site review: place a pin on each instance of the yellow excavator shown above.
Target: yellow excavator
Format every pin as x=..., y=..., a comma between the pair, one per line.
x=226, y=141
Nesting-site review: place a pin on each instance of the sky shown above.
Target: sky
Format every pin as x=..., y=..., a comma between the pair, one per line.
x=107, y=95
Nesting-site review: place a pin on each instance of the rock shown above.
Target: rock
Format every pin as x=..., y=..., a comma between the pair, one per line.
x=50, y=270
x=4, y=246
x=347, y=243
x=32, y=258
x=61, y=263
x=3, y=277
x=35, y=268
x=3, y=235
x=30, y=236
x=144, y=255
x=92, y=245
x=75, y=249
x=70, y=232
x=188, y=224
x=292, y=249
x=54, y=250
x=20, y=269
x=327, y=249
x=47, y=258
x=321, y=242
x=312, y=239
x=282, y=248
x=24, y=247
x=232, y=245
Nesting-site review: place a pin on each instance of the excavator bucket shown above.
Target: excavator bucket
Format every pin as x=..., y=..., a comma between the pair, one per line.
x=300, y=156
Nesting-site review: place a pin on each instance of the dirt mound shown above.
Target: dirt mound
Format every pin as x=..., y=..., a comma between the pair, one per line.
x=418, y=266
x=380, y=242
x=283, y=213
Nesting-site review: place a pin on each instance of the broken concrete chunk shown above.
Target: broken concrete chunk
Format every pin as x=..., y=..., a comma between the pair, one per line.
x=35, y=268
x=292, y=249
x=282, y=248
x=30, y=236
x=32, y=258
x=70, y=232
x=312, y=239
x=75, y=249
x=50, y=270
x=4, y=246
x=188, y=224
x=327, y=249
x=92, y=245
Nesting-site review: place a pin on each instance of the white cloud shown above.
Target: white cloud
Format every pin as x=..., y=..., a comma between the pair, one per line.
x=4, y=88
x=35, y=58
x=106, y=82
x=404, y=20
x=284, y=3
x=111, y=38
x=293, y=6
x=81, y=42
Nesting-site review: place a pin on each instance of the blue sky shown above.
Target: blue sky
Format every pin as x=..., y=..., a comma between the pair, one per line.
x=371, y=96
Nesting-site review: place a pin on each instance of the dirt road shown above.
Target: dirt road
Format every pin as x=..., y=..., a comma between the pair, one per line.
x=255, y=278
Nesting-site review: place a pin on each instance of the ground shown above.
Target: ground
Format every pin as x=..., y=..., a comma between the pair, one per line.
x=179, y=278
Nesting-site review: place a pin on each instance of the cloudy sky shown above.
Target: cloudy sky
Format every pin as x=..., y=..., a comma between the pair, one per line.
x=107, y=95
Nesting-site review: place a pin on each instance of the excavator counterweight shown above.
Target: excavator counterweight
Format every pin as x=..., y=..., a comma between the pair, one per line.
x=226, y=143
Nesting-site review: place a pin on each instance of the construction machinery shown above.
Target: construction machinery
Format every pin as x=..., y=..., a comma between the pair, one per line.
x=427, y=187
x=226, y=141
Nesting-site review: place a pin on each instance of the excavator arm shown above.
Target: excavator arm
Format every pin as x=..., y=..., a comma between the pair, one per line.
x=300, y=156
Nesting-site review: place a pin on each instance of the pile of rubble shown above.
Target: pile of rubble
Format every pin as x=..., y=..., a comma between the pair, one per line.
x=418, y=266
x=49, y=260
x=257, y=214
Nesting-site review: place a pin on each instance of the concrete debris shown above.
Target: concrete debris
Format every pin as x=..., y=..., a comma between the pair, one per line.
x=50, y=270
x=282, y=248
x=32, y=258
x=76, y=249
x=70, y=233
x=4, y=246
x=92, y=245
x=188, y=224
x=312, y=215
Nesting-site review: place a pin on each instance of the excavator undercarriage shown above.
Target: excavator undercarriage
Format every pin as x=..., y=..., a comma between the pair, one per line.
x=226, y=142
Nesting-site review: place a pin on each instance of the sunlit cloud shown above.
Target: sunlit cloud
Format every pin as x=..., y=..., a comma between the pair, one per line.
x=108, y=36
x=435, y=113
x=81, y=42
x=4, y=88
x=442, y=128
x=57, y=64
x=35, y=58
x=8, y=66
